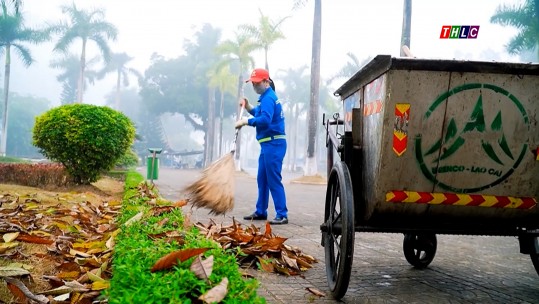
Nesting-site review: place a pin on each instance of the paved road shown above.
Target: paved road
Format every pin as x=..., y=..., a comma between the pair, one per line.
x=466, y=269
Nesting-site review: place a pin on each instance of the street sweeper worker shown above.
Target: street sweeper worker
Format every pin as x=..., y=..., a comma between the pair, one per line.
x=268, y=119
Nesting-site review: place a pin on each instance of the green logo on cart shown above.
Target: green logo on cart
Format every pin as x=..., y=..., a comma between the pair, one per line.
x=474, y=151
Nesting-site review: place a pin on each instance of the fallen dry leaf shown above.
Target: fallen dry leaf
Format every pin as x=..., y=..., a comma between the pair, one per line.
x=8, y=237
x=10, y=271
x=19, y=295
x=180, y=203
x=137, y=217
x=217, y=293
x=22, y=288
x=23, y=237
x=171, y=259
x=202, y=268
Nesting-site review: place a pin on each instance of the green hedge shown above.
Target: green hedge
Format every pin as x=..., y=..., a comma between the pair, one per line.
x=135, y=253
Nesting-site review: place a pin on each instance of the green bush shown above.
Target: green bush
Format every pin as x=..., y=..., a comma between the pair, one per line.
x=128, y=160
x=86, y=139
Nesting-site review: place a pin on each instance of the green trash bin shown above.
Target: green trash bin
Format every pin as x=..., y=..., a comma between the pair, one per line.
x=152, y=174
x=152, y=164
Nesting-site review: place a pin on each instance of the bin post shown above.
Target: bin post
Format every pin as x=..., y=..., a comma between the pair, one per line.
x=153, y=164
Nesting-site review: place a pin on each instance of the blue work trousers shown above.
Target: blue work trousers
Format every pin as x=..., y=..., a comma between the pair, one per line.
x=269, y=179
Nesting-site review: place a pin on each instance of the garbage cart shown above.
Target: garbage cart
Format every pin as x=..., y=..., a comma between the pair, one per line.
x=426, y=147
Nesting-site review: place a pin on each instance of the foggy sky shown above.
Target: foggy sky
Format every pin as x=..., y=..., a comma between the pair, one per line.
x=360, y=27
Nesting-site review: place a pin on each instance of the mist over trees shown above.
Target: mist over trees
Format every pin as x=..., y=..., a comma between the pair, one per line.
x=189, y=102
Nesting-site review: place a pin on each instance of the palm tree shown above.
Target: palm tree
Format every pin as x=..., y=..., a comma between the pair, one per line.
x=296, y=95
x=525, y=17
x=266, y=34
x=16, y=4
x=86, y=25
x=352, y=66
x=311, y=163
x=223, y=80
x=14, y=34
x=238, y=51
x=69, y=76
x=117, y=64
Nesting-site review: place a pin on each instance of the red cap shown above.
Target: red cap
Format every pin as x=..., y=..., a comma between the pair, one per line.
x=258, y=75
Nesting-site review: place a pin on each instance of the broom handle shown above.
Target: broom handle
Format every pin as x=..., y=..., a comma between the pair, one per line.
x=238, y=129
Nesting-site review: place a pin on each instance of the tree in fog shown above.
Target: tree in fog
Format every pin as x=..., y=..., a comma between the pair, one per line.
x=266, y=33
x=224, y=81
x=69, y=75
x=295, y=96
x=238, y=51
x=117, y=64
x=311, y=167
x=86, y=25
x=351, y=67
x=13, y=36
x=22, y=112
x=524, y=17
x=181, y=85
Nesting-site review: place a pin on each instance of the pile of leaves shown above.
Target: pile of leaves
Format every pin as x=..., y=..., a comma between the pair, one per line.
x=262, y=249
x=56, y=246
x=35, y=175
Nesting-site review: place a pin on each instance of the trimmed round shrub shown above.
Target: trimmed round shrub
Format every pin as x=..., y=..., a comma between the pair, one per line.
x=86, y=139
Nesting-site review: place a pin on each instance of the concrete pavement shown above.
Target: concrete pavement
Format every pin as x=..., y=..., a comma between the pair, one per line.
x=466, y=269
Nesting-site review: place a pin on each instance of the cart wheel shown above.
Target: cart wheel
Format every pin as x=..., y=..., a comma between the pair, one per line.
x=534, y=255
x=419, y=249
x=338, y=234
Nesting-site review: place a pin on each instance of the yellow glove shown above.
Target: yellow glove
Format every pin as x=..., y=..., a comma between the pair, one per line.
x=242, y=122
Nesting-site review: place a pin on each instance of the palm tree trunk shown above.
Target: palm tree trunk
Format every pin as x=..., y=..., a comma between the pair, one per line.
x=311, y=163
x=3, y=143
x=406, y=26
x=221, y=116
x=80, y=87
x=211, y=125
x=118, y=81
x=266, y=58
x=238, y=141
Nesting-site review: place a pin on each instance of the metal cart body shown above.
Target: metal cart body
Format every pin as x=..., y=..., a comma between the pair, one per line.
x=428, y=147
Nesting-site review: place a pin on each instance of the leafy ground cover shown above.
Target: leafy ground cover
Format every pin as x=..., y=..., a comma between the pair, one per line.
x=161, y=258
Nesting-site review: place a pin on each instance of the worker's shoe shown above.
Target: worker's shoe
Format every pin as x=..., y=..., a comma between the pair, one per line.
x=279, y=221
x=255, y=217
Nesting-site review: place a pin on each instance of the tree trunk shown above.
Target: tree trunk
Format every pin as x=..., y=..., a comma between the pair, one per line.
x=294, y=138
x=3, y=143
x=221, y=117
x=406, y=26
x=266, y=57
x=80, y=87
x=311, y=163
x=210, y=129
x=238, y=141
x=118, y=85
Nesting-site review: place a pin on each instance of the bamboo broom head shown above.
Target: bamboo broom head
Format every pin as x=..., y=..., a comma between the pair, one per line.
x=214, y=190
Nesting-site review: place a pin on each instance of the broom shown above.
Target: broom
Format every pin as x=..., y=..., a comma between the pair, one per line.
x=214, y=190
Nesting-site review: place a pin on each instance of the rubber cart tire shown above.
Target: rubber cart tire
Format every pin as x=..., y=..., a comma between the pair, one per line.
x=419, y=249
x=338, y=237
x=534, y=255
